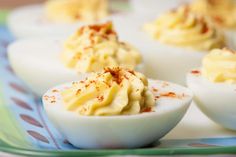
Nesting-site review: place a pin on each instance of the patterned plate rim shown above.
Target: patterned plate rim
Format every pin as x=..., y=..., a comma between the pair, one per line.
x=88, y=153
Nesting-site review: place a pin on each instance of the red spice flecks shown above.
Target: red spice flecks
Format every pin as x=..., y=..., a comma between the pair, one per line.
x=115, y=72
x=51, y=99
x=92, y=81
x=157, y=97
x=111, y=31
x=147, y=109
x=108, y=27
x=78, y=91
x=81, y=82
x=205, y=28
x=169, y=94
x=46, y=97
x=87, y=85
x=218, y=19
x=100, y=98
x=131, y=71
x=212, y=2
x=105, y=37
x=154, y=89
x=195, y=72
x=173, y=95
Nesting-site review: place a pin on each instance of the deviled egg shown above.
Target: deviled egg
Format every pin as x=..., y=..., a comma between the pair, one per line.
x=221, y=12
x=214, y=86
x=174, y=43
x=44, y=62
x=57, y=17
x=116, y=108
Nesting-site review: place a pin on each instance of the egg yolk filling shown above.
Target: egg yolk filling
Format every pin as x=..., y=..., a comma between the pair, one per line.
x=221, y=12
x=220, y=66
x=76, y=10
x=181, y=27
x=95, y=47
x=114, y=91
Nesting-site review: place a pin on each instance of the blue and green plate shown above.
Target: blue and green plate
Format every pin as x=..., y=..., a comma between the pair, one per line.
x=25, y=129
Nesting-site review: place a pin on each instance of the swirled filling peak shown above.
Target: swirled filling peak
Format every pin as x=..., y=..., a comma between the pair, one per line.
x=95, y=47
x=76, y=10
x=114, y=91
x=220, y=66
x=181, y=27
x=222, y=12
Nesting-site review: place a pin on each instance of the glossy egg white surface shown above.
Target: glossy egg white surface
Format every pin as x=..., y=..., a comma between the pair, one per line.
x=163, y=62
x=30, y=21
x=216, y=100
x=123, y=131
x=37, y=62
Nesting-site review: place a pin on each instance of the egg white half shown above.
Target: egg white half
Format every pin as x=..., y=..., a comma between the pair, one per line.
x=123, y=131
x=216, y=100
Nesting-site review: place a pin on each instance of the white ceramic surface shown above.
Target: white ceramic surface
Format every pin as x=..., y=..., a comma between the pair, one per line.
x=216, y=100
x=37, y=62
x=120, y=131
x=30, y=21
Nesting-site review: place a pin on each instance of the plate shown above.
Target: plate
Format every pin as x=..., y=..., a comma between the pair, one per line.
x=25, y=129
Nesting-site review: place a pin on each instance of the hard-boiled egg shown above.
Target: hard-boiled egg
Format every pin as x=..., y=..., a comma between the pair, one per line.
x=216, y=100
x=214, y=86
x=120, y=131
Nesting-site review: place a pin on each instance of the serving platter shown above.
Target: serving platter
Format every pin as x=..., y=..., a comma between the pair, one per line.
x=25, y=129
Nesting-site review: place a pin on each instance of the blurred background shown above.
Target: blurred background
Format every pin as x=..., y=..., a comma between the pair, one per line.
x=6, y=4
